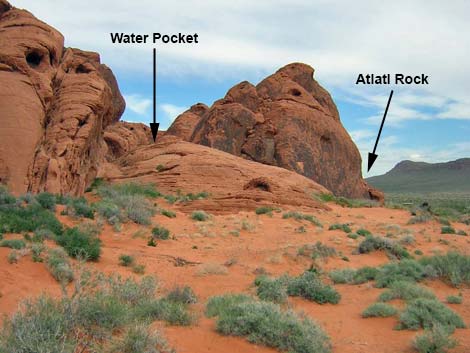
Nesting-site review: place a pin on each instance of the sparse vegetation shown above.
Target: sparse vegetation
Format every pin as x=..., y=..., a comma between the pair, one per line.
x=16, y=244
x=13, y=257
x=317, y=251
x=168, y=213
x=126, y=260
x=434, y=340
x=392, y=248
x=199, y=216
x=447, y=230
x=183, y=295
x=265, y=323
x=211, y=269
x=272, y=289
x=345, y=202
x=160, y=233
x=309, y=286
x=454, y=299
x=264, y=210
x=452, y=267
x=80, y=243
x=379, y=310
x=427, y=313
x=59, y=266
x=302, y=217
x=344, y=227
x=79, y=207
x=406, y=291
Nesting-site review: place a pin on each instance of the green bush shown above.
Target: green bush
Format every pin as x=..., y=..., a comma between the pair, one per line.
x=126, y=260
x=79, y=207
x=17, y=219
x=302, y=217
x=111, y=212
x=138, y=339
x=406, y=291
x=36, y=250
x=452, y=267
x=379, y=310
x=344, y=227
x=138, y=268
x=115, y=190
x=392, y=248
x=173, y=313
x=363, y=232
x=405, y=270
x=352, y=276
x=434, y=340
x=217, y=304
x=16, y=244
x=182, y=295
x=5, y=197
x=273, y=290
x=310, y=287
x=264, y=210
x=46, y=200
x=343, y=276
x=447, y=230
x=59, y=266
x=168, y=213
x=80, y=244
x=317, y=250
x=42, y=234
x=427, y=313
x=13, y=257
x=266, y=324
x=199, y=216
x=160, y=233
x=454, y=299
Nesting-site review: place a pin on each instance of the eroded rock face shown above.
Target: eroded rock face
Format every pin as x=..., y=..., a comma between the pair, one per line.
x=233, y=182
x=287, y=120
x=54, y=105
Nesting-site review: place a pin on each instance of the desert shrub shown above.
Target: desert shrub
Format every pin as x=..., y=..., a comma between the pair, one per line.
x=379, y=310
x=343, y=276
x=183, y=295
x=174, y=313
x=405, y=270
x=434, y=340
x=79, y=207
x=266, y=324
x=454, y=299
x=363, y=232
x=345, y=202
x=365, y=274
x=427, y=313
x=344, y=227
x=5, y=197
x=96, y=183
x=58, y=265
x=126, y=260
x=352, y=276
x=161, y=233
x=116, y=190
x=16, y=244
x=13, y=257
x=36, y=250
x=353, y=236
x=264, y=210
x=447, y=230
x=111, y=212
x=420, y=218
x=42, y=234
x=211, y=269
x=406, y=291
x=80, y=244
x=139, y=339
x=46, y=200
x=273, y=290
x=452, y=267
x=17, y=219
x=138, y=268
x=392, y=248
x=317, y=250
x=310, y=287
x=168, y=213
x=407, y=239
x=199, y=216
x=216, y=305
x=462, y=233
x=302, y=217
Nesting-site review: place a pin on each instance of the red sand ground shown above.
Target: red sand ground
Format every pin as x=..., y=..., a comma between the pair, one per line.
x=272, y=244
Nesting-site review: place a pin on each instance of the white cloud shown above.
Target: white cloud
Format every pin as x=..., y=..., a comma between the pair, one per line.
x=171, y=111
x=137, y=103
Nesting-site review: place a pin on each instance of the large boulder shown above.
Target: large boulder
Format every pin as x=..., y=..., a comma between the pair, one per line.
x=287, y=120
x=54, y=105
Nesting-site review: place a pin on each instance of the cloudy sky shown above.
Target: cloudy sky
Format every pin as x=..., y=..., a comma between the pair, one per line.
x=248, y=40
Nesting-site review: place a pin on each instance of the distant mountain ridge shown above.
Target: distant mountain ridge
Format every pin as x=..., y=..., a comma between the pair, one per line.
x=409, y=176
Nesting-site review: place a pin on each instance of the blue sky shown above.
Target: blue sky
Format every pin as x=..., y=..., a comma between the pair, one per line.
x=246, y=40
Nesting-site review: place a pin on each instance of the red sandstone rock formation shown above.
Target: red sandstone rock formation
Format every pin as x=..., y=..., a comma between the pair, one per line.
x=54, y=105
x=234, y=183
x=287, y=120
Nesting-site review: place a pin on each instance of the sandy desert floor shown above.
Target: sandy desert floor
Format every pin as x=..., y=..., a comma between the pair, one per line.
x=224, y=254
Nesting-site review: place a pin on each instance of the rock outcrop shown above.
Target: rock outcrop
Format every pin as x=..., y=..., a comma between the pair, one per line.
x=55, y=103
x=287, y=120
x=234, y=183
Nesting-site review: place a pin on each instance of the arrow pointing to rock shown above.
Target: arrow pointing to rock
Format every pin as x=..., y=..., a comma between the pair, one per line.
x=154, y=126
x=372, y=156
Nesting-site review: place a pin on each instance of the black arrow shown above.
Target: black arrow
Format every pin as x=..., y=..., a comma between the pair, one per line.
x=372, y=156
x=154, y=126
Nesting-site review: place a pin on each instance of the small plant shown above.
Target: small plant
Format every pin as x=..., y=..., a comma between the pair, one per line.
x=36, y=250
x=363, y=232
x=151, y=242
x=309, y=286
x=139, y=339
x=211, y=269
x=273, y=290
x=379, y=310
x=80, y=244
x=182, y=295
x=406, y=291
x=317, y=251
x=434, y=340
x=344, y=227
x=353, y=236
x=447, y=230
x=427, y=313
x=452, y=267
x=138, y=268
x=160, y=233
x=126, y=260
x=462, y=233
x=79, y=207
x=16, y=244
x=418, y=252
x=392, y=248
x=454, y=299
x=302, y=217
x=405, y=270
x=199, y=216
x=420, y=218
x=168, y=213
x=160, y=168
x=264, y=210
x=13, y=257
x=58, y=265
x=46, y=200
